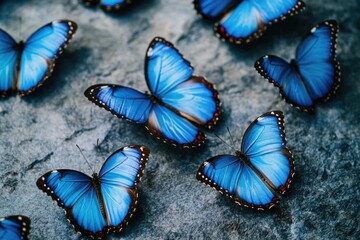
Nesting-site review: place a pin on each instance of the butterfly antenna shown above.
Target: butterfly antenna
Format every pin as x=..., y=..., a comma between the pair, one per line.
x=223, y=141
x=20, y=27
x=231, y=137
x=85, y=158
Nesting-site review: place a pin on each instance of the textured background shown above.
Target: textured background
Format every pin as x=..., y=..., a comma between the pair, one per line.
x=38, y=132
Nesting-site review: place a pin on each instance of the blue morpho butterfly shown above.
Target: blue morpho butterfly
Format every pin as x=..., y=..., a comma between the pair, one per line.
x=260, y=172
x=178, y=105
x=314, y=74
x=103, y=203
x=25, y=65
x=14, y=227
x=109, y=5
x=244, y=20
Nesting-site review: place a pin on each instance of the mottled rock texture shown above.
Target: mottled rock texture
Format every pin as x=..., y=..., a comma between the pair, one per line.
x=38, y=132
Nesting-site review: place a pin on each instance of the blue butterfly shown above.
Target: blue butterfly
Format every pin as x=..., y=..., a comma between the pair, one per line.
x=178, y=104
x=103, y=203
x=14, y=227
x=260, y=172
x=25, y=65
x=243, y=21
x=109, y=5
x=314, y=74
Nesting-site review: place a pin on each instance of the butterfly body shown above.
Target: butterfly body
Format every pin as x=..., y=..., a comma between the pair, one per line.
x=178, y=104
x=261, y=172
x=244, y=21
x=24, y=66
x=103, y=203
x=314, y=74
x=14, y=227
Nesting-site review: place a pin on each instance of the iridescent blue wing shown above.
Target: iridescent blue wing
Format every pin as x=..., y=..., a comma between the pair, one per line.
x=173, y=129
x=236, y=180
x=212, y=8
x=264, y=144
x=40, y=51
x=119, y=177
x=170, y=78
x=74, y=192
x=14, y=227
x=8, y=59
x=316, y=60
x=289, y=82
x=109, y=5
x=122, y=101
x=250, y=18
x=315, y=73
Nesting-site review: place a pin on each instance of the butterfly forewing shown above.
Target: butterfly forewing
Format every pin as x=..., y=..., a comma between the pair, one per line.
x=165, y=68
x=8, y=59
x=121, y=101
x=14, y=228
x=40, y=50
x=316, y=60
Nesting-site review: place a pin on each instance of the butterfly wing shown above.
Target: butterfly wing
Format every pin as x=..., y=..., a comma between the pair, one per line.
x=122, y=101
x=74, y=192
x=109, y=5
x=8, y=59
x=316, y=60
x=40, y=51
x=212, y=8
x=289, y=82
x=264, y=144
x=173, y=129
x=236, y=180
x=170, y=78
x=119, y=177
x=14, y=227
x=249, y=18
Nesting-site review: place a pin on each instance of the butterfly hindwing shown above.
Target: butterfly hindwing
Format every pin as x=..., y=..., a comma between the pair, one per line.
x=8, y=58
x=313, y=76
x=250, y=18
x=236, y=180
x=262, y=171
x=40, y=51
x=102, y=203
x=14, y=227
x=122, y=101
x=171, y=128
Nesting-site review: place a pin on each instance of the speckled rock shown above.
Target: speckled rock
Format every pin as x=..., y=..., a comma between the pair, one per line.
x=39, y=132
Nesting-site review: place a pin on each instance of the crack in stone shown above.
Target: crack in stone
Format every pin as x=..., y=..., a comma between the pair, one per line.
x=39, y=161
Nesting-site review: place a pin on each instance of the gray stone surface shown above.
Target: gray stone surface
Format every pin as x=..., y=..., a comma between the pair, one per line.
x=38, y=132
